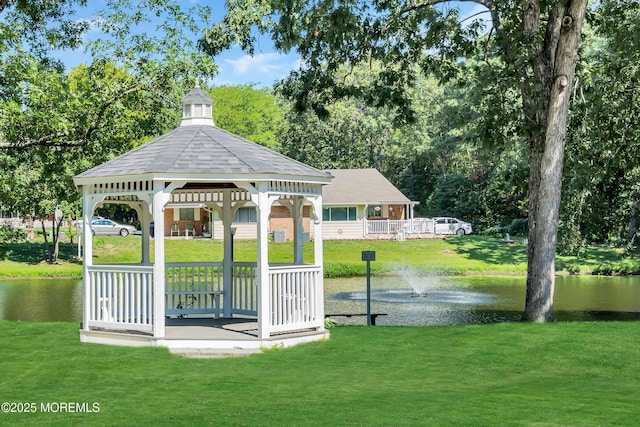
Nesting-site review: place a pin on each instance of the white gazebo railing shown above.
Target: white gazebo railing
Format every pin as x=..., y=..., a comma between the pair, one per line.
x=193, y=288
x=119, y=297
x=295, y=299
x=245, y=289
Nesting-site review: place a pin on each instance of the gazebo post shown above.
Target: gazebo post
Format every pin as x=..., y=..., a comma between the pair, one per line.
x=318, y=255
x=142, y=208
x=227, y=261
x=298, y=230
x=88, y=204
x=145, y=225
x=263, y=204
x=158, y=262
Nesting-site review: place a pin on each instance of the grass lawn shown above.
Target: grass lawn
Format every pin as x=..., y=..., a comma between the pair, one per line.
x=556, y=374
x=455, y=255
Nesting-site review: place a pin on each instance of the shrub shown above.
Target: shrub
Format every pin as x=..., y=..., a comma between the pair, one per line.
x=519, y=227
x=11, y=234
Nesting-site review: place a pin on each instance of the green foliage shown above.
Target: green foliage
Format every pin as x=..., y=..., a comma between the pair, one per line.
x=11, y=234
x=352, y=137
x=330, y=323
x=41, y=25
x=54, y=125
x=602, y=174
x=251, y=113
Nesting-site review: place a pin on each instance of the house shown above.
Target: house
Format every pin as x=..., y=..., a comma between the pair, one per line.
x=362, y=203
x=357, y=204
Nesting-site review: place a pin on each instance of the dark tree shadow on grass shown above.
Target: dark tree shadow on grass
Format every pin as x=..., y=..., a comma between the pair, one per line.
x=489, y=251
x=35, y=253
x=497, y=252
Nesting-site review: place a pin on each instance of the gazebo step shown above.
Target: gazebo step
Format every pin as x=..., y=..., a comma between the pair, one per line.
x=213, y=352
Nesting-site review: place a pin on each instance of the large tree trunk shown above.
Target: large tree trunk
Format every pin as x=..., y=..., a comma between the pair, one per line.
x=553, y=65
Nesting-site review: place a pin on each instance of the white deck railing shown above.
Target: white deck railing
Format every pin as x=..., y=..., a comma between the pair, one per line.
x=390, y=228
x=295, y=297
x=119, y=297
x=245, y=289
x=193, y=288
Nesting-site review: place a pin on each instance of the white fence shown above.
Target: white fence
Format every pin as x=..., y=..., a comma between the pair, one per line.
x=390, y=228
x=245, y=289
x=295, y=299
x=119, y=297
x=193, y=288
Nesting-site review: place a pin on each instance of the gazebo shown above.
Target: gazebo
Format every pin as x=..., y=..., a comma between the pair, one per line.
x=204, y=306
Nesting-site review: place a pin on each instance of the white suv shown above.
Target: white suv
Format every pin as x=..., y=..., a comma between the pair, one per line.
x=447, y=225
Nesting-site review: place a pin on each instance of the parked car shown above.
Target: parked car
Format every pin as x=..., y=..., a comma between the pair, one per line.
x=105, y=227
x=447, y=225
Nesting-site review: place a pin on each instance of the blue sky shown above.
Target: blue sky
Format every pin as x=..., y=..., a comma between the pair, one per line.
x=235, y=67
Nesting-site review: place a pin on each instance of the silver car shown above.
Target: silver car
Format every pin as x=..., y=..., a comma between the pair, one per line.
x=447, y=225
x=105, y=227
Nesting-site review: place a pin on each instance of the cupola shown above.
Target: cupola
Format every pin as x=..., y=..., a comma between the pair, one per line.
x=197, y=108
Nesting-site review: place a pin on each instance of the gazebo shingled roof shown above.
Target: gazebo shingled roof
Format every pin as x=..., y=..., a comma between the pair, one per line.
x=201, y=149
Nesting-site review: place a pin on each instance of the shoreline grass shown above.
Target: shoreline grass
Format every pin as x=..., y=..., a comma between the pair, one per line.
x=452, y=256
x=508, y=374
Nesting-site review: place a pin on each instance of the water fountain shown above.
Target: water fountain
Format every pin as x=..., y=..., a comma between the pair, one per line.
x=418, y=285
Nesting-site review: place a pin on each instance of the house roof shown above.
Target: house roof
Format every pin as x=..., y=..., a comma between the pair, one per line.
x=197, y=150
x=361, y=186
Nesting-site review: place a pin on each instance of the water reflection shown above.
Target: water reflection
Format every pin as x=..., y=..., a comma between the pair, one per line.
x=448, y=300
x=480, y=299
x=52, y=300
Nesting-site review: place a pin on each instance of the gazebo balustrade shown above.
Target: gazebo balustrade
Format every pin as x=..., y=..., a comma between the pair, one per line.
x=121, y=296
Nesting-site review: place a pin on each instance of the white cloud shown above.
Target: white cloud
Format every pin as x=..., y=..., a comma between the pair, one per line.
x=262, y=69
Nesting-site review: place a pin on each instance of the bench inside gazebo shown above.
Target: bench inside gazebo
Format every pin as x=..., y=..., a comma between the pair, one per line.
x=210, y=307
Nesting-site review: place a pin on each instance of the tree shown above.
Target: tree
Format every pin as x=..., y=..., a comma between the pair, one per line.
x=55, y=124
x=536, y=44
x=40, y=25
x=251, y=113
x=602, y=184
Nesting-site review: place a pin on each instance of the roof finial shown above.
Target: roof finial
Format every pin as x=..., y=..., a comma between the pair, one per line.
x=197, y=83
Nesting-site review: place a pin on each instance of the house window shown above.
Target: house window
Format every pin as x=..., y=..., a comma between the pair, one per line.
x=374, y=211
x=346, y=213
x=197, y=110
x=245, y=215
x=186, y=214
x=186, y=110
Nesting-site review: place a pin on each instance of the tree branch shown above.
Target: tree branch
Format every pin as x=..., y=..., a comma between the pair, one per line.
x=96, y=123
x=489, y=4
x=82, y=135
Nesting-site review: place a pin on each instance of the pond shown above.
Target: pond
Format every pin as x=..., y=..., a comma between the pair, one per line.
x=480, y=299
x=407, y=300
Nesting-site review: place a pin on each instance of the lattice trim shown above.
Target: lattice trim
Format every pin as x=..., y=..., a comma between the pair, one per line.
x=125, y=187
x=213, y=196
x=299, y=188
